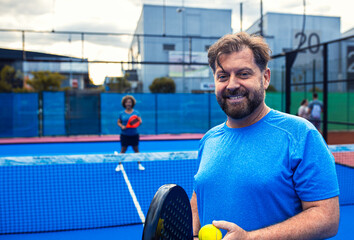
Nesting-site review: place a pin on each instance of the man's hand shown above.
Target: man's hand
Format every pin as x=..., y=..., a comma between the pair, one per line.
x=233, y=231
x=318, y=220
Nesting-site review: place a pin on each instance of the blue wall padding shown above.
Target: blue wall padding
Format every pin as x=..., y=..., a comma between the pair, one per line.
x=164, y=113
x=19, y=115
x=53, y=113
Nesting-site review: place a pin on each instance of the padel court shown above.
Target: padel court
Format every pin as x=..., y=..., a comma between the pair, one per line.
x=83, y=193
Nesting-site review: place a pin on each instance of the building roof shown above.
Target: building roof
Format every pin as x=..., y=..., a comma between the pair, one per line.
x=348, y=33
x=11, y=54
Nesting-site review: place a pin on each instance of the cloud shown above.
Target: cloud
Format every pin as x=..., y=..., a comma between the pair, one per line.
x=24, y=8
x=105, y=36
x=11, y=40
x=93, y=26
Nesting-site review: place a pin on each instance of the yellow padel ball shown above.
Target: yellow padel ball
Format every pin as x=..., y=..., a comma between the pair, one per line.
x=209, y=232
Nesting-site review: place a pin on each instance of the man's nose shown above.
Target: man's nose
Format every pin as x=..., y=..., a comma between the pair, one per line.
x=234, y=83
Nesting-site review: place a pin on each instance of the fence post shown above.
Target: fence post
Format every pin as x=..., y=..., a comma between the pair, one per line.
x=156, y=115
x=287, y=82
x=99, y=115
x=289, y=61
x=40, y=114
x=325, y=92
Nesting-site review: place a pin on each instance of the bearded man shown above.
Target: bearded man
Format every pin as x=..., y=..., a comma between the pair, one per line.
x=263, y=174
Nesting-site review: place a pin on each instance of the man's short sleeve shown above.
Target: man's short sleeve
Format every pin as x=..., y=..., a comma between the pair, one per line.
x=315, y=175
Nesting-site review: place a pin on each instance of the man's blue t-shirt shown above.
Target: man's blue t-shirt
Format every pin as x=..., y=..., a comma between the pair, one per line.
x=257, y=176
x=124, y=117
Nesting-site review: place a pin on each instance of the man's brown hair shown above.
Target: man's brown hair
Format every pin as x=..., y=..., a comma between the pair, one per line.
x=236, y=42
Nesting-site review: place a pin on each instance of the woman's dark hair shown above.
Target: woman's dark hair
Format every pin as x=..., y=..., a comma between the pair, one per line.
x=125, y=98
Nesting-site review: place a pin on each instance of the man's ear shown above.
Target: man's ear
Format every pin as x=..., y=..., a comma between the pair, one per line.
x=266, y=78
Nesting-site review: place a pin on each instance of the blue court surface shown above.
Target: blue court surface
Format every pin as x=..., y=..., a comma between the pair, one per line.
x=77, y=196
x=113, y=233
x=346, y=231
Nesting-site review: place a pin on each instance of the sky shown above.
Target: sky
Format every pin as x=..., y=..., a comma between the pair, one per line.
x=121, y=16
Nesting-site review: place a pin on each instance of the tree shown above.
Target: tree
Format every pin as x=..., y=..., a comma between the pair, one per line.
x=119, y=84
x=5, y=87
x=46, y=81
x=163, y=85
x=7, y=74
x=271, y=88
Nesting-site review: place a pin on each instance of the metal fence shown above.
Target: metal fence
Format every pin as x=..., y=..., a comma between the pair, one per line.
x=327, y=69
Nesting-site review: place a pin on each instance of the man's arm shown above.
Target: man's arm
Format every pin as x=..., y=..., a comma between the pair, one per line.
x=196, y=222
x=318, y=220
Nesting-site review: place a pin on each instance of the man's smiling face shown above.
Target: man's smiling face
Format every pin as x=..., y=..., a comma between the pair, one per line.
x=239, y=83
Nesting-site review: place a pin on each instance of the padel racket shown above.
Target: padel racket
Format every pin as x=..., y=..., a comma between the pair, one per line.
x=133, y=122
x=169, y=216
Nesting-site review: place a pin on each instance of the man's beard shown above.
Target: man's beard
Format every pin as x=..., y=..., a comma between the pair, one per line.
x=242, y=109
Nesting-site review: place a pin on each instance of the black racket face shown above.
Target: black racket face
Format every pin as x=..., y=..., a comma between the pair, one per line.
x=169, y=216
x=135, y=120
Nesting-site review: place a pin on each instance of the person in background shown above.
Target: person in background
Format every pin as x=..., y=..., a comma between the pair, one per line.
x=262, y=174
x=315, y=109
x=128, y=136
x=303, y=110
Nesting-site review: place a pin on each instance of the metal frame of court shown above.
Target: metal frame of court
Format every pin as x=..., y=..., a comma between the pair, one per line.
x=289, y=61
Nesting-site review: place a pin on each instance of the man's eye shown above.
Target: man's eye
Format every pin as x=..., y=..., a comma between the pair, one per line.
x=244, y=74
x=222, y=77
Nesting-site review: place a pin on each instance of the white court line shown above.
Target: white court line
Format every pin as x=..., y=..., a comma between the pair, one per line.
x=131, y=191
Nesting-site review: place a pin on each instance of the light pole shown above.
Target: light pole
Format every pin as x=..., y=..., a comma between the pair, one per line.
x=164, y=19
x=182, y=11
x=71, y=70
